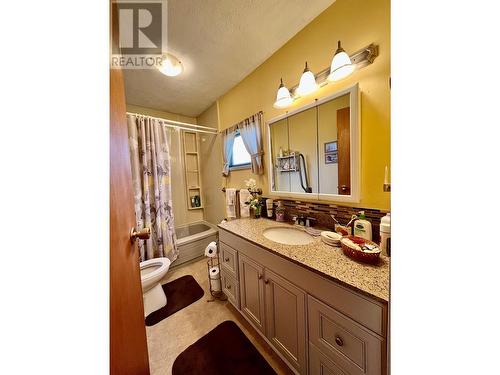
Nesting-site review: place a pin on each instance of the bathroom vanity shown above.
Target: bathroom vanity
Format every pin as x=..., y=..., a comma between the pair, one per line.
x=322, y=312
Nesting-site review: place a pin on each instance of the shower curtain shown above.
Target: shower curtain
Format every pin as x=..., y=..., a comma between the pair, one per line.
x=150, y=159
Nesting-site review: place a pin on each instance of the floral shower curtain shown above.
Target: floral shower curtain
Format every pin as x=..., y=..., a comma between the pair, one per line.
x=150, y=159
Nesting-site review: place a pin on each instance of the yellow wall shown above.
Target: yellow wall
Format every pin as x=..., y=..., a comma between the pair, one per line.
x=357, y=23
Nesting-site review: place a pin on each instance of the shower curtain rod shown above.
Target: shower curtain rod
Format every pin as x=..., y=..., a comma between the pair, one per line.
x=180, y=125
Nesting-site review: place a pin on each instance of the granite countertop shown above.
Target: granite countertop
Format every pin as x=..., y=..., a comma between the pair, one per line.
x=328, y=261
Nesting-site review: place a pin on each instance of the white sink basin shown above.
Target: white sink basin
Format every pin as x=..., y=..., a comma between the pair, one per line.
x=288, y=236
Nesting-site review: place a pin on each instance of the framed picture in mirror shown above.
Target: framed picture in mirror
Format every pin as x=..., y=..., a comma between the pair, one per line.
x=330, y=146
x=331, y=157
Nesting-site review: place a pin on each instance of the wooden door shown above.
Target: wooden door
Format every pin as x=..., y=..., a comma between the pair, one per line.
x=128, y=346
x=286, y=319
x=252, y=291
x=344, y=150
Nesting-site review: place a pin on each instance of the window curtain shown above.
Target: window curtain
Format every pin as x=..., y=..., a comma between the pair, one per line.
x=227, y=140
x=150, y=159
x=252, y=139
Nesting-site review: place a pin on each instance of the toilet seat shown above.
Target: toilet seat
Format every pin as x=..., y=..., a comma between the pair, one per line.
x=162, y=263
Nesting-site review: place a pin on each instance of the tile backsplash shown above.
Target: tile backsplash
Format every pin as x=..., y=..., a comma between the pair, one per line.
x=322, y=211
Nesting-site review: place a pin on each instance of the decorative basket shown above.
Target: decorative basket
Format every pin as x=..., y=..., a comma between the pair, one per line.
x=359, y=255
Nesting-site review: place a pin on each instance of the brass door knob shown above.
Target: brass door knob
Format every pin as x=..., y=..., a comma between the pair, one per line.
x=142, y=234
x=339, y=341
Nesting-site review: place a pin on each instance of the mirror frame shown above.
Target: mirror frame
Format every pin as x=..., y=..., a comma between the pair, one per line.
x=355, y=133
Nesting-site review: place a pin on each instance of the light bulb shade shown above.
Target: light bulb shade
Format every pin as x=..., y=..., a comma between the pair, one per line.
x=307, y=84
x=341, y=65
x=283, y=97
x=170, y=66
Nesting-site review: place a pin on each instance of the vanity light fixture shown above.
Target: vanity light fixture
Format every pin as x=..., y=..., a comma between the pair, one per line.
x=307, y=83
x=283, y=97
x=170, y=65
x=341, y=65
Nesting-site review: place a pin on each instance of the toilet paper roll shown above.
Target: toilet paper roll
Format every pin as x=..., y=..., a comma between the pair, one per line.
x=215, y=285
x=214, y=272
x=211, y=250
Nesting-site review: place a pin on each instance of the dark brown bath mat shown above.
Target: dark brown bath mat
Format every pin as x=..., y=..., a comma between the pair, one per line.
x=180, y=293
x=222, y=351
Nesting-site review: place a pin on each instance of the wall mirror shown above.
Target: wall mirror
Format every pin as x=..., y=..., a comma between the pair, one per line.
x=314, y=151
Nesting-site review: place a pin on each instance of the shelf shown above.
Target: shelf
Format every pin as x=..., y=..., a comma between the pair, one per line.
x=286, y=157
x=288, y=170
x=192, y=169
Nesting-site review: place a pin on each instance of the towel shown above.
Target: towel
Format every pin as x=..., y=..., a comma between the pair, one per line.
x=231, y=203
x=244, y=208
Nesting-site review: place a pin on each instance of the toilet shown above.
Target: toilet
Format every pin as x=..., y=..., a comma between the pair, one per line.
x=152, y=271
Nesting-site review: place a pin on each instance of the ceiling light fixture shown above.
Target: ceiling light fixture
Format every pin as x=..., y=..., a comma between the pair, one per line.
x=341, y=65
x=283, y=97
x=307, y=83
x=170, y=66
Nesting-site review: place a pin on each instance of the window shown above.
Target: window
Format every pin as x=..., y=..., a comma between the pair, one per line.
x=241, y=158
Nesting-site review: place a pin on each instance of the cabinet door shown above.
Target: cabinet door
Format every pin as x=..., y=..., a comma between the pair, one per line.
x=252, y=291
x=286, y=319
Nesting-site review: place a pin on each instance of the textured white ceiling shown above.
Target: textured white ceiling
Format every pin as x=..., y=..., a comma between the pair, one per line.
x=219, y=43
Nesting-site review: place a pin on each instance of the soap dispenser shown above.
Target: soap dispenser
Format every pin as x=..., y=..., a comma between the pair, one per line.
x=385, y=234
x=280, y=212
x=362, y=227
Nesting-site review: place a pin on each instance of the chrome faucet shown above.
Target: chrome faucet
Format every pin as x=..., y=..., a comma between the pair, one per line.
x=299, y=220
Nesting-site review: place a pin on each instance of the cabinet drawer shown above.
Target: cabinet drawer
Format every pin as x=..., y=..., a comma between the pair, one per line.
x=229, y=259
x=345, y=342
x=231, y=289
x=321, y=364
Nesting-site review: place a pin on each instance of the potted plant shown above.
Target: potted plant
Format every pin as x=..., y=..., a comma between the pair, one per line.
x=254, y=200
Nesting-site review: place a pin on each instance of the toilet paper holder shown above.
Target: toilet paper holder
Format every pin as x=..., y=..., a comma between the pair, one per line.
x=214, y=278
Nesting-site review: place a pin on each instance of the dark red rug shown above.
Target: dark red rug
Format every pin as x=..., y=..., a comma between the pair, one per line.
x=180, y=293
x=225, y=350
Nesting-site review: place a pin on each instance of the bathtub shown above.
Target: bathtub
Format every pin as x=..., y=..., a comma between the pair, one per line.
x=192, y=239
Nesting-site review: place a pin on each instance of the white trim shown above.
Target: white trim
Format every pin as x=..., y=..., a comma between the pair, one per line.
x=355, y=138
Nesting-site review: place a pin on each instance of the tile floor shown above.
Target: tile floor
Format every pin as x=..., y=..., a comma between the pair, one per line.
x=167, y=339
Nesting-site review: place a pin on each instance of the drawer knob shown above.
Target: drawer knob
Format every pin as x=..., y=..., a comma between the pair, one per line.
x=259, y=276
x=226, y=259
x=228, y=286
x=339, y=341
x=266, y=281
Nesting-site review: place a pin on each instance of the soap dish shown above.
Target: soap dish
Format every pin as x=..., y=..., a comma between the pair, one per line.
x=331, y=238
